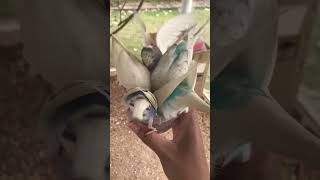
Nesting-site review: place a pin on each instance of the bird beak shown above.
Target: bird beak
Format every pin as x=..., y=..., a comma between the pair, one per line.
x=140, y=105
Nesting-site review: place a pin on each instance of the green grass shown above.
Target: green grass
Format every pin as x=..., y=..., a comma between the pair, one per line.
x=4, y=7
x=154, y=19
x=312, y=71
x=115, y=3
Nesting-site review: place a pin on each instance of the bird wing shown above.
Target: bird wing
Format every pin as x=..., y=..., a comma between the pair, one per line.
x=172, y=30
x=131, y=72
x=148, y=37
x=195, y=33
x=160, y=74
x=190, y=98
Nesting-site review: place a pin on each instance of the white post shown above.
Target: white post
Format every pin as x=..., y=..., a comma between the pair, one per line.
x=186, y=6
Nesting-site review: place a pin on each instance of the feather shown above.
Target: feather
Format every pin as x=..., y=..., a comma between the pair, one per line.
x=172, y=30
x=178, y=94
x=188, y=97
x=173, y=64
x=160, y=74
x=140, y=105
x=131, y=72
x=149, y=38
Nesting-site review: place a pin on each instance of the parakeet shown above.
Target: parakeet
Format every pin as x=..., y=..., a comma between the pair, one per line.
x=245, y=111
x=175, y=40
x=150, y=53
x=131, y=73
x=178, y=56
x=177, y=96
x=156, y=44
x=150, y=56
x=135, y=77
x=173, y=64
x=142, y=106
x=167, y=54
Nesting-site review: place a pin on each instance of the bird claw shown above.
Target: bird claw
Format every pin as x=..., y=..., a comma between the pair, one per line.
x=152, y=130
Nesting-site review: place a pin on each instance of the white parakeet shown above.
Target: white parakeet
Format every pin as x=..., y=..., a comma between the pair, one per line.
x=135, y=77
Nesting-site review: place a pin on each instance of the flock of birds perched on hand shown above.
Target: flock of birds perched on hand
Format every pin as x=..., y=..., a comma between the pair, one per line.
x=161, y=84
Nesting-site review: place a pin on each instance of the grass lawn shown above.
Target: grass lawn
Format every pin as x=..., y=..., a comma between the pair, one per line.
x=4, y=7
x=312, y=70
x=154, y=19
x=117, y=2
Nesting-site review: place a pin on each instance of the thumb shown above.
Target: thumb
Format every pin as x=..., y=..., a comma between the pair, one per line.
x=154, y=140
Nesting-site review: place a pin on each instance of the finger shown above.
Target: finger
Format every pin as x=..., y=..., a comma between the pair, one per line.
x=184, y=124
x=154, y=140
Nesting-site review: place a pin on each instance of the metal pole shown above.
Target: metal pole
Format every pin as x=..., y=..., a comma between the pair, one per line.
x=186, y=6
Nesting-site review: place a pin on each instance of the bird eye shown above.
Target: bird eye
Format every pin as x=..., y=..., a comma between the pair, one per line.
x=131, y=104
x=148, y=109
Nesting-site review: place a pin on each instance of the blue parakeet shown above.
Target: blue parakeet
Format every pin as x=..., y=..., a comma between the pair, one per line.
x=245, y=111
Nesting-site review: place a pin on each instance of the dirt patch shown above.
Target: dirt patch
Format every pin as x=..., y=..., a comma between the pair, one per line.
x=21, y=96
x=129, y=157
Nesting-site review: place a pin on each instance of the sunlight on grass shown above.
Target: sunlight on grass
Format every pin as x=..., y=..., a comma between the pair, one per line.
x=154, y=19
x=117, y=2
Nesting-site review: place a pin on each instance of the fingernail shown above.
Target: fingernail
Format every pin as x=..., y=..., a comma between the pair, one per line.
x=134, y=127
x=150, y=132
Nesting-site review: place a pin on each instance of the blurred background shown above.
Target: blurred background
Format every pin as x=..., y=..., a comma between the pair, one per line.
x=129, y=157
x=296, y=85
x=21, y=96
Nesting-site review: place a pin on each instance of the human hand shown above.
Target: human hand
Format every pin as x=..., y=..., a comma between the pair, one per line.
x=183, y=157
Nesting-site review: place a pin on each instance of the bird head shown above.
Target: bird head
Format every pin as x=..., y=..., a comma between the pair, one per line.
x=150, y=56
x=141, y=105
x=140, y=109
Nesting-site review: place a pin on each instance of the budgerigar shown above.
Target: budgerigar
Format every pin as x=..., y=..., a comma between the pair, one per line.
x=150, y=56
x=173, y=68
x=150, y=53
x=177, y=96
x=245, y=111
x=135, y=77
x=156, y=44
x=142, y=105
x=140, y=100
